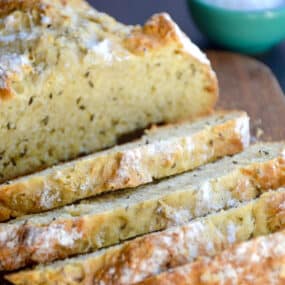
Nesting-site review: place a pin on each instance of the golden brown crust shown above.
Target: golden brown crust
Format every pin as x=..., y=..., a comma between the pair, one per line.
x=259, y=261
x=157, y=32
x=38, y=240
x=10, y=65
x=268, y=174
x=69, y=235
x=146, y=256
x=116, y=170
x=143, y=257
x=8, y=6
x=52, y=8
x=160, y=31
x=5, y=90
x=55, y=34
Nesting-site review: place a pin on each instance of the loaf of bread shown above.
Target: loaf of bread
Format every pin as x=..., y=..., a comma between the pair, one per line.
x=135, y=260
x=73, y=80
x=108, y=219
x=258, y=261
x=163, y=151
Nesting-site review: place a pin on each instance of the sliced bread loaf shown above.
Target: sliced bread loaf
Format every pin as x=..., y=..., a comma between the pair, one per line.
x=135, y=260
x=73, y=80
x=161, y=152
x=258, y=261
x=106, y=220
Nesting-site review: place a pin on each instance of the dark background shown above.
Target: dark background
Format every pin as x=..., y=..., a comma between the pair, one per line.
x=137, y=11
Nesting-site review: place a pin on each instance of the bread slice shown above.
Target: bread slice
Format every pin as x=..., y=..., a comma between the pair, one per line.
x=161, y=152
x=106, y=220
x=135, y=260
x=259, y=261
x=73, y=80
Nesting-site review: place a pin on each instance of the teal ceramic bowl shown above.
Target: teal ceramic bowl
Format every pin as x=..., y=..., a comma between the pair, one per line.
x=250, y=32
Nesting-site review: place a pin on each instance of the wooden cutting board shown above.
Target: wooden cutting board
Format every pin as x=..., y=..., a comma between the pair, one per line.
x=249, y=85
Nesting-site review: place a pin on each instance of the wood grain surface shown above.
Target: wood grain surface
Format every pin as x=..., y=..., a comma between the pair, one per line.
x=249, y=85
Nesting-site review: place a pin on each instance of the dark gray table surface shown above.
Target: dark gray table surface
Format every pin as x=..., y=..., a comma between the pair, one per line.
x=137, y=11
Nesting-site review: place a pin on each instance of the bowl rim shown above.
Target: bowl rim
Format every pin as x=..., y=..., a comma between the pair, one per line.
x=275, y=10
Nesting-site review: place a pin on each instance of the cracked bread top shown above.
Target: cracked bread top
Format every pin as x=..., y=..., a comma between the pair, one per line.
x=36, y=34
